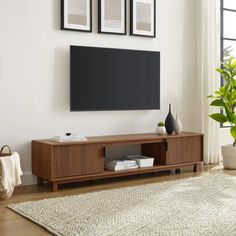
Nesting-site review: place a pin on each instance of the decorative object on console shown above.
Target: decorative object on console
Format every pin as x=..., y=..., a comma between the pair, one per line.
x=161, y=129
x=170, y=122
x=76, y=15
x=178, y=125
x=112, y=16
x=225, y=99
x=143, y=18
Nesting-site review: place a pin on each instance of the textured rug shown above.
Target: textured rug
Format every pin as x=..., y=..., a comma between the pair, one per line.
x=203, y=205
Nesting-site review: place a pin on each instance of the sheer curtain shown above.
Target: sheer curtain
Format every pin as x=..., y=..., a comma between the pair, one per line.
x=207, y=59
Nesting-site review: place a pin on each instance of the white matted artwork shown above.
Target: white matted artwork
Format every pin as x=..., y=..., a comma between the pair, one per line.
x=112, y=16
x=143, y=18
x=76, y=15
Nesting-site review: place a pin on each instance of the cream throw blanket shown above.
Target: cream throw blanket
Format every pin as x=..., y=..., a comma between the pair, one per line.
x=10, y=173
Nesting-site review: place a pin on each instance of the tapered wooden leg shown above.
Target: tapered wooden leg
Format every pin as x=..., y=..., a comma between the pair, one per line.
x=40, y=181
x=197, y=167
x=179, y=171
x=54, y=187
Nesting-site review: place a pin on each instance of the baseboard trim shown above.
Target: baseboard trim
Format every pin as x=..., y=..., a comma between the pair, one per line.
x=28, y=178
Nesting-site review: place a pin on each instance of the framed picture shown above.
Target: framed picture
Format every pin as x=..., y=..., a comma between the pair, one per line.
x=112, y=16
x=76, y=15
x=143, y=18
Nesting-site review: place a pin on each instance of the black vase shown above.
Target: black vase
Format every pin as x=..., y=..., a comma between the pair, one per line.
x=170, y=122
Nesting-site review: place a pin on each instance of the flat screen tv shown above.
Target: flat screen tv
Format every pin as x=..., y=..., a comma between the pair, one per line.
x=103, y=79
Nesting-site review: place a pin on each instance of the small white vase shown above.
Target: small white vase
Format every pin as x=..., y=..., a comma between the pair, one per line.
x=178, y=125
x=161, y=130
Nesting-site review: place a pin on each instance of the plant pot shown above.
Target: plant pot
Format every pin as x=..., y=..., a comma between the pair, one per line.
x=229, y=156
x=161, y=130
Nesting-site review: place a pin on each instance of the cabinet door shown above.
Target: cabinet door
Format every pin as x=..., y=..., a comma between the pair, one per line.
x=77, y=160
x=184, y=149
x=172, y=151
x=191, y=149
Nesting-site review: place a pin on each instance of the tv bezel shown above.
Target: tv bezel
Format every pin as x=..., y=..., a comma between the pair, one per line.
x=121, y=109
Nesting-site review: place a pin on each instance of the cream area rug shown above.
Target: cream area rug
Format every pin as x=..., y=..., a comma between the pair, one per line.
x=203, y=205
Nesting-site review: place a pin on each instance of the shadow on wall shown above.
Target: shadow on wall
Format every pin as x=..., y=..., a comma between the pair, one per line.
x=56, y=14
x=187, y=71
x=61, y=77
x=61, y=80
x=24, y=150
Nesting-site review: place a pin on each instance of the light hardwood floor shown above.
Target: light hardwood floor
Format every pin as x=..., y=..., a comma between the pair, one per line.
x=12, y=224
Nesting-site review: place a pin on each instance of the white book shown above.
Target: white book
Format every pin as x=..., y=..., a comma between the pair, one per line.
x=121, y=166
x=121, y=162
x=142, y=161
x=68, y=138
x=117, y=168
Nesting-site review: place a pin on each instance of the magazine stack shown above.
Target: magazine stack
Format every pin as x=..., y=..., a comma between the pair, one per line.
x=118, y=165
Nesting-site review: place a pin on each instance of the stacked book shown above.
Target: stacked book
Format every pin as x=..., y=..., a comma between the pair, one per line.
x=142, y=161
x=68, y=138
x=117, y=165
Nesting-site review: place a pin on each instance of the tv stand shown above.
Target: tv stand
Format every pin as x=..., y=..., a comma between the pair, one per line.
x=60, y=163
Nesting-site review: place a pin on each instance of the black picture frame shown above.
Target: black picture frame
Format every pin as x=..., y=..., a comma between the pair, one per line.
x=100, y=26
x=132, y=30
x=65, y=26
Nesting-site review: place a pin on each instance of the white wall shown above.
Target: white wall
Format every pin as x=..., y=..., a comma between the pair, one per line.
x=34, y=73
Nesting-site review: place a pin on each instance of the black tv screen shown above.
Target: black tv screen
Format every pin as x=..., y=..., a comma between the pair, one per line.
x=114, y=79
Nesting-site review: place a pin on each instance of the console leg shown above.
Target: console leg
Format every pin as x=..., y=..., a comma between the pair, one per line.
x=40, y=181
x=54, y=187
x=179, y=171
x=197, y=167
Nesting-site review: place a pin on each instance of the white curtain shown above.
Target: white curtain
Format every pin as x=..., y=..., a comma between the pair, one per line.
x=208, y=58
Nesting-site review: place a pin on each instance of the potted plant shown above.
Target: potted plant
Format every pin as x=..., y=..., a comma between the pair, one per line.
x=225, y=99
x=161, y=129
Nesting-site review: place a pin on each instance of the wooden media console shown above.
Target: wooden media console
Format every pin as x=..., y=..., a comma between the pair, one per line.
x=67, y=162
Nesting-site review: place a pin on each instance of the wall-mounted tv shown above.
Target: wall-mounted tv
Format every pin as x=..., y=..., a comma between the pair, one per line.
x=103, y=79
